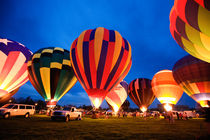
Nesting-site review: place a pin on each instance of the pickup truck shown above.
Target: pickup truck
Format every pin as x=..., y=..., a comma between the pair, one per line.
x=66, y=114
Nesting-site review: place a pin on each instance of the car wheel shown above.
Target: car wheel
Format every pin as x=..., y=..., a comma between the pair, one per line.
x=67, y=118
x=6, y=116
x=27, y=115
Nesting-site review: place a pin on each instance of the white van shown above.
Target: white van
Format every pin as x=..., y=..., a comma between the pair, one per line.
x=17, y=110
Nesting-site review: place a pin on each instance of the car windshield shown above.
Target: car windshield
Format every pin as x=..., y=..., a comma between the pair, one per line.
x=7, y=106
x=66, y=109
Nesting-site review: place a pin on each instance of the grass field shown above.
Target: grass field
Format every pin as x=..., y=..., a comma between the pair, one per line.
x=41, y=127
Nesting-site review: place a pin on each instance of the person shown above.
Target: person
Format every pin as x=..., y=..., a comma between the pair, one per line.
x=177, y=114
x=145, y=115
x=184, y=116
x=171, y=118
x=118, y=114
x=180, y=115
x=197, y=115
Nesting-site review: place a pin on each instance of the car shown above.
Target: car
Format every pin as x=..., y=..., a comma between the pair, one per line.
x=66, y=114
x=9, y=110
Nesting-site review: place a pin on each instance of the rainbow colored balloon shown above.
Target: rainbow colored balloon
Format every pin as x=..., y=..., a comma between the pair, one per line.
x=13, y=69
x=101, y=58
x=189, y=26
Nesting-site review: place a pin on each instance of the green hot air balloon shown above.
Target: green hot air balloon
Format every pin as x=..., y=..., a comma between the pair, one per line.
x=51, y=73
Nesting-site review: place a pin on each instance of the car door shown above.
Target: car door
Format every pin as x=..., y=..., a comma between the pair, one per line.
x=73, y=115
x=15, y=110
x=22, y=110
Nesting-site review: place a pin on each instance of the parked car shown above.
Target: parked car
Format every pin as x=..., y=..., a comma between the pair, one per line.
x=66, y=114
x=9, y=110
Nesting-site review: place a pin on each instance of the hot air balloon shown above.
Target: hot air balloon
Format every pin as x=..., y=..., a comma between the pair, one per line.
x=51, y=73
x=100, y=58
x=189, y=26
x=13, y=69
x=193, y=75
x=140, y=92
x=117, y=96
x=165, y=88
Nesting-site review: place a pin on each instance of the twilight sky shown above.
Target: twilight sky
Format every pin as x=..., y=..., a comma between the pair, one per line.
x=144, y=23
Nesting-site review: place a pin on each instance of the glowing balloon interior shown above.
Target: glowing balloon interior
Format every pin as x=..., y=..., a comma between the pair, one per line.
x=193, y=75
x=117, y=96
x=165, y=87
x=13, y=69
x=51, y=73
x=100, y=58
x=168, y=107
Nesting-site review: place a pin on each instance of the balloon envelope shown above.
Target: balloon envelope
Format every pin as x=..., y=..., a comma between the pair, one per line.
x=189, y=26
x=193, y=75
x=51, y=73
x=13, y=68
x=117, y=95
x=101, y=58
x=140, y=92
x=165, y=87
x=7, y=97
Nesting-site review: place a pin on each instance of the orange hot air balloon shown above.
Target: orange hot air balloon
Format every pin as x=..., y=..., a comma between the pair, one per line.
x=100, y=58
x=165, y=87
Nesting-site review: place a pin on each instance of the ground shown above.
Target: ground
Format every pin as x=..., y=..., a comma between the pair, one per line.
x=41, y=127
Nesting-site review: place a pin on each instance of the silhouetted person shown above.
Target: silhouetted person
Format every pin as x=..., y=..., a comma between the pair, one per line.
x=177, y=114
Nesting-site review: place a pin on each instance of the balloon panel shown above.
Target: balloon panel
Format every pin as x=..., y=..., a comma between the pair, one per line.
x=5, y=99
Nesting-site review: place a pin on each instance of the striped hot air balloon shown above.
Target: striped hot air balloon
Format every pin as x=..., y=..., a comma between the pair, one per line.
x=189, y=26
x=117, y=96
x=140, y=92
x=101, y=58
x=165, y=87
x=193, y=75
x=51, y=73
x=13, y=69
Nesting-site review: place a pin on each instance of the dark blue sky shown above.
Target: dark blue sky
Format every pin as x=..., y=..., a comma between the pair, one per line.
x=144, y=23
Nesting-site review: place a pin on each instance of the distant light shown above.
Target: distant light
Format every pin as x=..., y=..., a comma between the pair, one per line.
x=168, y=107
x=10, y=101
x=143, y=109
x=36, y=104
